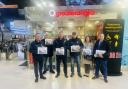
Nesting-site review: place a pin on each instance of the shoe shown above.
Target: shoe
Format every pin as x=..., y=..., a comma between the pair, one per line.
x=57, y=75
x=44, y=72
x=105, y=80
x=85, y=75
x=52, y=71
x=42, y=77
x=36, y=80
x=66, y=75
x=94, y=77
x=71, y=75
x=80, y=75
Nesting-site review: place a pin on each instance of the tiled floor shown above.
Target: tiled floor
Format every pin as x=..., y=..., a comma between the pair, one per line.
x=13, y=76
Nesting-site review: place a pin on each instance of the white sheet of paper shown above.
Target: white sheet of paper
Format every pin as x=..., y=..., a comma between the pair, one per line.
x=87, y=51
x=60, y=51
x=99, y=52
x=42, y=50
x=75, y=48
x=48, y=41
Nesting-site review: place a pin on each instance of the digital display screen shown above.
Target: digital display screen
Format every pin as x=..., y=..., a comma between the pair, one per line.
x=82, y=2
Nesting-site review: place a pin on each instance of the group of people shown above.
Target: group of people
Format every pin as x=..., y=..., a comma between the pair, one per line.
x=98, y=51
x=8, y=46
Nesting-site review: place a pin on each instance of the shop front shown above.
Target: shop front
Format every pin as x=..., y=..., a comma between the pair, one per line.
x=86, y=21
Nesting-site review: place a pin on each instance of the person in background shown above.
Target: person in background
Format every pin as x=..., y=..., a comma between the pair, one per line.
x=75, y=45
x=101, y=54
x=37, y=58
x=1, y=47
x=87, y=52
x=61, y=44
x=49, y=54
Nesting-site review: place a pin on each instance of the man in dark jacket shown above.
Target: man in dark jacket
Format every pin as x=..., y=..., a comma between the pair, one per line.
x=60, y=45
x=37, y=58
x=49, y=44
x=75, y=45
x=101, y=54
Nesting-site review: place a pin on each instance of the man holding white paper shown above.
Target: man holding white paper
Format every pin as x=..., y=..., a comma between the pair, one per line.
x=75, y=45
x=101, y=55
x=60, y=46
x=36, y=50
x=48, y=45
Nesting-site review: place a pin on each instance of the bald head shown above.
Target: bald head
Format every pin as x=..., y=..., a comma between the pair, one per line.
x=46, y=35
x=101, y=37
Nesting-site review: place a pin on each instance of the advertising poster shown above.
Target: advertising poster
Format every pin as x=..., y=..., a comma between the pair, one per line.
x=113, y=30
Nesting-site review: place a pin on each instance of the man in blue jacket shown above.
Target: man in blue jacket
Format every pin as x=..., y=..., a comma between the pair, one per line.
x=75, y=45
x=60, y=46
x=37, y=58
x=101, y=54
x=47, y=43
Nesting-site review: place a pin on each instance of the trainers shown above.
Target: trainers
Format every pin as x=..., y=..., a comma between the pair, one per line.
x=94, y=77
x=66, y=75
x=86, y=75
x=80, y=75
x=36, y=80
x=42, y=77
x=71, y=75
x=57, y=75
x=44, y=72
x=52, y=71
x=105, y=80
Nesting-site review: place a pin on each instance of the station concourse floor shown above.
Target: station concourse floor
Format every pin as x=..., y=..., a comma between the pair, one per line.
x=13, y=76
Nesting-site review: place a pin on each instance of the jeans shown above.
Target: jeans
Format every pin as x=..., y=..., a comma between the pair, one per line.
x=45, y=63
x=77, y=60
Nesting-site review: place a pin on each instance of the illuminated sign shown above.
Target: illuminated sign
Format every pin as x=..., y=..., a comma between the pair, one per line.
x=72, y=13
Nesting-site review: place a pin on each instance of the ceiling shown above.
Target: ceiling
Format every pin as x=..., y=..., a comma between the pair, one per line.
x=21, y=3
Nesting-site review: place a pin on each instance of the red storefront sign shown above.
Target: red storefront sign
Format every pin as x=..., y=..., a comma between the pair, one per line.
x=72, y=13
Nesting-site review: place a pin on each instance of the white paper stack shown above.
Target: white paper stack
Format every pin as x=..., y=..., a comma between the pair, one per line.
x=99, y=52
x=87, y=51
x=60, y=51
x=42, y=50
x=75, y=48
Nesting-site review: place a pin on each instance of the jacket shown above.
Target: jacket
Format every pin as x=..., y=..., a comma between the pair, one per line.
x=58, y=43
x=72, y=42
x=49, y=49
x=103, y=46
x=34, y=50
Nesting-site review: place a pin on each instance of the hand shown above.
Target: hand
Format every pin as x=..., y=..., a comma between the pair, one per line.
x=78, y=47
x=100, y=55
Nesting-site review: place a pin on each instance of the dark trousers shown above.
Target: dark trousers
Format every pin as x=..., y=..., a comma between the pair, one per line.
x=101, y=65
x=45, y=63
x=58, y=62
x=38, y=65
x=87, y=68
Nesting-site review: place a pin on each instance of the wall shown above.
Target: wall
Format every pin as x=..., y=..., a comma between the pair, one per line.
x=125, y=39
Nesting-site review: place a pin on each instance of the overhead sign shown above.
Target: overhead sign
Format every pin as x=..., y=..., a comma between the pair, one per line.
x=86, y=12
